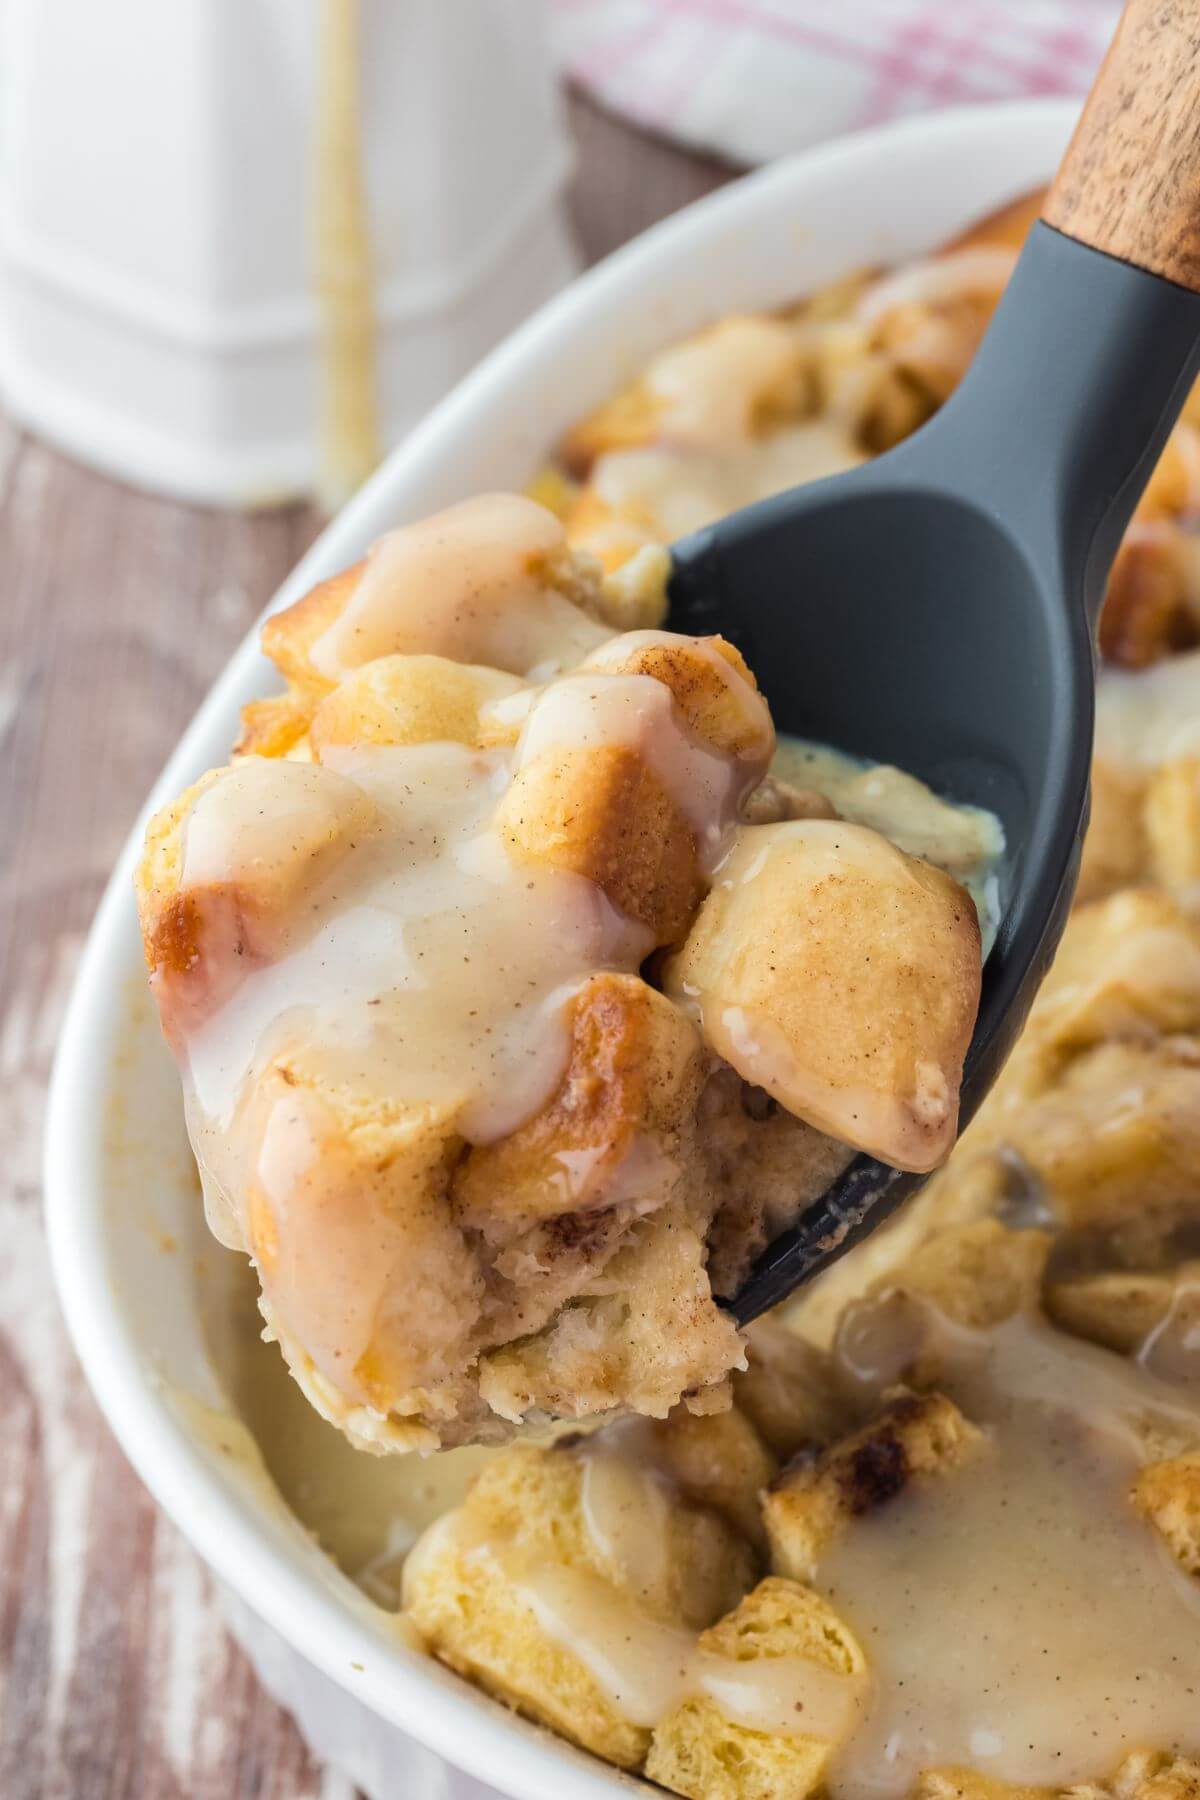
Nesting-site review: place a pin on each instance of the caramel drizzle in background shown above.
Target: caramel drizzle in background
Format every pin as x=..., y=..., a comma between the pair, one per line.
x=350, y=441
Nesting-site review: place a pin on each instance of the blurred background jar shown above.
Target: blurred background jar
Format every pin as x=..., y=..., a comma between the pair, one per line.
x=245, y=244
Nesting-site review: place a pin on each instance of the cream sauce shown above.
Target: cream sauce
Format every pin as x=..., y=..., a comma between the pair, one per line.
x=966, y=841
x=429, y=966
x=981, y=269
x=1017, y=1615
x=376, y=924
x=589, y=711
x=711, y=386
x=473, y=583
x=1171, y=1349
x=386, y=929
x=1075, y=1637
x=673, y=491
x=365, y=1512
x=647, y=1667
x=1151, y=716
x=626, y=1499
x=618, y=1623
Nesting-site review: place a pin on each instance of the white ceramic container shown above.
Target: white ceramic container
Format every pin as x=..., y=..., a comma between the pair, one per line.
x=157, y=182
x=118, y=1170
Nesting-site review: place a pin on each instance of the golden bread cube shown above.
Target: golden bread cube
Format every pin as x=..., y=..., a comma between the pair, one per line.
x=1115, y=850
x=734, y=381
x=1169, y=489
x=1168, y=1495
x=719, y=1460
x=1118, y=1308
x=1147, y=611
x=415, y=700
x=1128, y=967
x=490, y=581
x=708, y=680
x=972, y=1784
x=1117, y=1142
x=288, y=636
x=276, y=726
x=626, y=421
x=1152, y=1775
x=764, y=1168
x=973, y=1275
x=738, y=379
x=914, y=1437
x=789, y=1392
x=472, y=1590
x=1125, y=968
x=978, y=1273
x=224, y=868
x=897, y=403
x=633, y=594
x=930, y=345
x=701, y=1751
x=1172, y=816
x=603, y=814
x=595, y=791
x=774, y=800
x=613, y=535
x=843, y=977
x=675, y=1343
x=368, y=1281
x=635, y=1068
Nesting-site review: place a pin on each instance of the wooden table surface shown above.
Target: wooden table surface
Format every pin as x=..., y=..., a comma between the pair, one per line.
x=117, y=609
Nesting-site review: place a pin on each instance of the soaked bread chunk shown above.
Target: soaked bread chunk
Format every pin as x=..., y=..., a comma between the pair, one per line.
x=619, y=1118
x=606, y=785
x=1147, y=1775
x=1168, y=1494
x=789, y=1390
x=490, y=582
x=1172, y=822
x=548, y=1542
x=970, y=1784
x=913, y=1438
x=843, y=977
x=208, y=919
x=1115, y=847
x=793, y=1663
x=417, y=700
x=1118, y=1308
x=644, y=1335
x=719, y=1459
x=733, y=382
x=1157, y=1775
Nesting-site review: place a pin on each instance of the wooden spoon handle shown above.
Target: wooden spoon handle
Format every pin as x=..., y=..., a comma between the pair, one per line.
x=1129, y=183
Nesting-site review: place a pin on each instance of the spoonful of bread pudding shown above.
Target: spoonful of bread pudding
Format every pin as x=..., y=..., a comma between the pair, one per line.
x=541, y=1019
x=519, y=1004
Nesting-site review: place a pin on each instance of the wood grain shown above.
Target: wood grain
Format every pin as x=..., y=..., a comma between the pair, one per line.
x=1130, y=182
x=117, y=1678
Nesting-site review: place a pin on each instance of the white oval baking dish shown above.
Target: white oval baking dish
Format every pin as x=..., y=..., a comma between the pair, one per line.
x=121, y=1194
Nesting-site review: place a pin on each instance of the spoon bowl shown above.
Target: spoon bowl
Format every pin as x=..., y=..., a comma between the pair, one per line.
x=936, y=609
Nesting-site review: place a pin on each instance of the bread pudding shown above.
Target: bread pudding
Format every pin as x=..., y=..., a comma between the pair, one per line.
x=517, y=1004
x=933, y=1529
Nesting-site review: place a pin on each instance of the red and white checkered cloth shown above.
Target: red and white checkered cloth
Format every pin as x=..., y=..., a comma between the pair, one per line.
x=755, y=78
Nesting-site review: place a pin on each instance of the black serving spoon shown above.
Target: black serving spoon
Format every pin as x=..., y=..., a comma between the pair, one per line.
x=936, y=608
